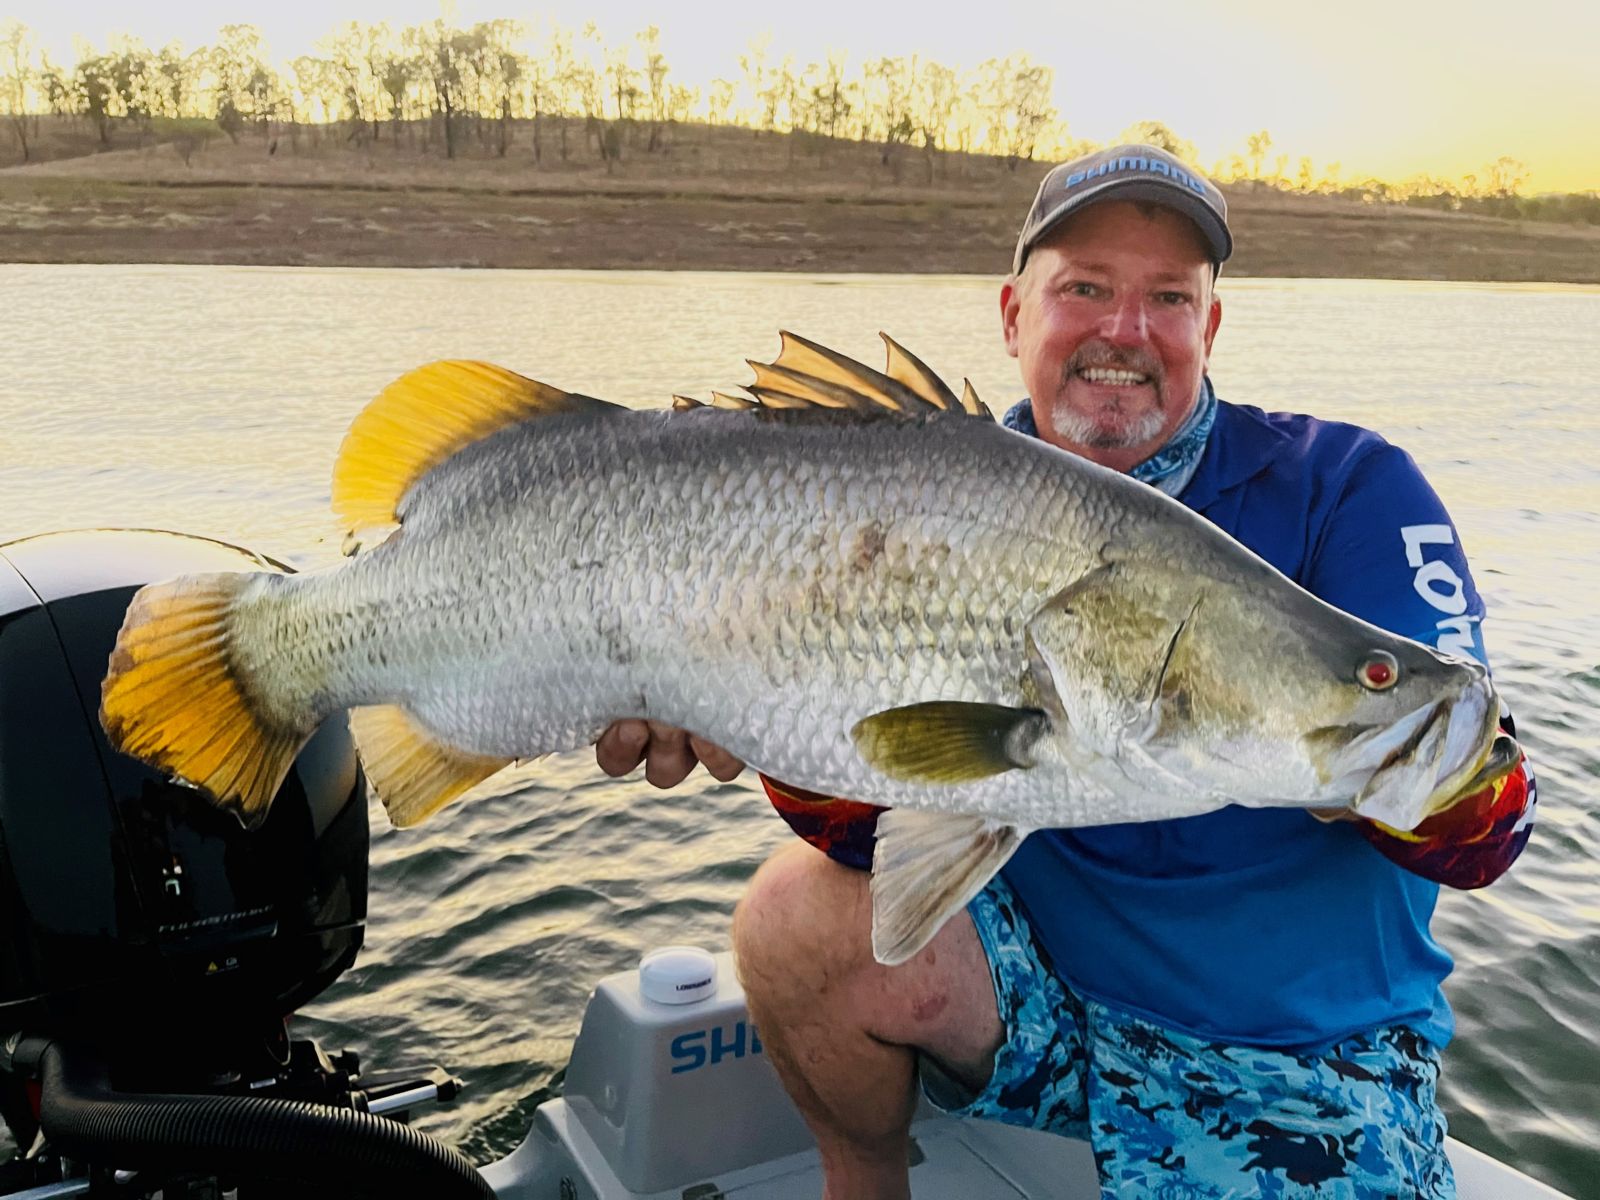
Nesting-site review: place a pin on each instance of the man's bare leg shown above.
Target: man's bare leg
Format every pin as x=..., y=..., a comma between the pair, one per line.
x=840, y=1028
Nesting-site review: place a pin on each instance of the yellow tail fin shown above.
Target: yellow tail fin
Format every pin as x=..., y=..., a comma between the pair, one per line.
x=413, y=773
x=171, y=697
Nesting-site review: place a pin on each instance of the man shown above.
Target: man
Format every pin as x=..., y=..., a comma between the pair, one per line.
x=1244, y=1002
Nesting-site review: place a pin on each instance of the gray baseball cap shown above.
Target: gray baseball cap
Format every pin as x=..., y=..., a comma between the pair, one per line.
x=1127, y=173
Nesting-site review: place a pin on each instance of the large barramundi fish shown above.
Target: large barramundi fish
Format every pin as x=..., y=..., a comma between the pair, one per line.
x=856, y=582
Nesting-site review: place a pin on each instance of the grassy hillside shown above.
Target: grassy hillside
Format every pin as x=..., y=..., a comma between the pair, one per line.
x=707, y=198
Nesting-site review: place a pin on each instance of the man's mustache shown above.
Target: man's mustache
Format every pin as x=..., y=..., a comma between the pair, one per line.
x=1103, y=354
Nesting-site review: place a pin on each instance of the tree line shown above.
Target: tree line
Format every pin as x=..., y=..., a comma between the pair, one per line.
x=571, y=95
x=456, y=86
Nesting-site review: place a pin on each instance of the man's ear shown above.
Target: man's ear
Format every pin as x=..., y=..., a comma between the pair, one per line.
x=1010, y=300
x=1213, y=320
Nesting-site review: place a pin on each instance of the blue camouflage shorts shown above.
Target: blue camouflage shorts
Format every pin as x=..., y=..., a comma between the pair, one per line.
x=1172, y=1115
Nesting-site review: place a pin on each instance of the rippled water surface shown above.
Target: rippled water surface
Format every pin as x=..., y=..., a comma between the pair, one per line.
x=213, y=399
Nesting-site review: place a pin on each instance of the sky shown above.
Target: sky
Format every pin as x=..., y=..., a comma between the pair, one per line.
x=1385, y=88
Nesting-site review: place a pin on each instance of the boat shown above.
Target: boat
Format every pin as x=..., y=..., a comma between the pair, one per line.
x=670, y=1101
x=150, y=947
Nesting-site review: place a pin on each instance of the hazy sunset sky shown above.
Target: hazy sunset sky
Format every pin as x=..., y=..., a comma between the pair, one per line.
x=1383, y=87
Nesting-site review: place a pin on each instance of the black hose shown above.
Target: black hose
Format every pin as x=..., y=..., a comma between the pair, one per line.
x=340, y=1150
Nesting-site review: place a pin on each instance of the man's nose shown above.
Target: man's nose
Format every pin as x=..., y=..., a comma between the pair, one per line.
x=1125, y=324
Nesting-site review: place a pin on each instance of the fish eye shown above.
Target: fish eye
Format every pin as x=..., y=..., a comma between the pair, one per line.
x=1378, y=672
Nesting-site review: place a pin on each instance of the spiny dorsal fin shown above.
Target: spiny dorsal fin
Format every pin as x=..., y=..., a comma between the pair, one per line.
x=723, y=400
x=807, y=375
x=777, y=386
x=423, y=418
x=808, y=358
x=970, y=402
x=916, y=375
x=686, y=403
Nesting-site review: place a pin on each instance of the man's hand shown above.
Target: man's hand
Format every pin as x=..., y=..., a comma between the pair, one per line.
x=668, y=754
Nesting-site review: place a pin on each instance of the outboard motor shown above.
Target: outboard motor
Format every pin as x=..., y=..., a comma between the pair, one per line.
x=151, y=948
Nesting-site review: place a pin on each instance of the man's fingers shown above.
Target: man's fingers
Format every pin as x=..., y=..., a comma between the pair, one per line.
x=668, y=760
x=622, y=747
x=723, y=766
x=668, y=753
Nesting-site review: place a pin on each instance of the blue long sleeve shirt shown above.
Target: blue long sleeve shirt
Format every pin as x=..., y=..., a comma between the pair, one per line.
x=1265, y=926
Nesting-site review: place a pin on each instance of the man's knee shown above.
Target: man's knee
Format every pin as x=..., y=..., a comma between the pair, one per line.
x=803, y=916
x=803, y=941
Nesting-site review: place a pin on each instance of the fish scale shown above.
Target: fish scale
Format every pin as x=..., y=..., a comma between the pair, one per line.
x=840, y=628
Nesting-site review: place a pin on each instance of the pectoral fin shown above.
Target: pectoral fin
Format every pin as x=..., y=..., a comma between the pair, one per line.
x=413, y=774
x=926, y=867
x=948, y=741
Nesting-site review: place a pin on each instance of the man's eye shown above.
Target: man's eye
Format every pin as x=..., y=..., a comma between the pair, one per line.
x=1173, y=297
x=1082, y=289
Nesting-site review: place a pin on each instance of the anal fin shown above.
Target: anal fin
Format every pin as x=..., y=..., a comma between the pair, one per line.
x=926, y=867
x=413, y=774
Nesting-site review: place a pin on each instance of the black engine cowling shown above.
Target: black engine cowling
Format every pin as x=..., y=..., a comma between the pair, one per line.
x=129, y=906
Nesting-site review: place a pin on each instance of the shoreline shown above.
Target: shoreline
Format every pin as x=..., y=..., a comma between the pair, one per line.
x=237, y=208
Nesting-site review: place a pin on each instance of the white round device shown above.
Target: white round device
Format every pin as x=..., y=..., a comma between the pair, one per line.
x=677, y=975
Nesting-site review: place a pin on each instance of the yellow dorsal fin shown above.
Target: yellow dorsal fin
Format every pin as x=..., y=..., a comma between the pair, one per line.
x=723, y=400
x=970, y=402
x=806, y=375
x=413, y=774
x=423, y=418
x=778, y=386
x=686, y=403
x=916, y=375
x=803, y=355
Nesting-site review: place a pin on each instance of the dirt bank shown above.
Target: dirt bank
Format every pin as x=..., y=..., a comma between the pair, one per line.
x=237, y=205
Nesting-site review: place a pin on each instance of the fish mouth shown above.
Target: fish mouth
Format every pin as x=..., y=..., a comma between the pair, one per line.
x=1429, y=757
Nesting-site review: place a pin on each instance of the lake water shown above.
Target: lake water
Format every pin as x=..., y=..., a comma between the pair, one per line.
x=213, y=400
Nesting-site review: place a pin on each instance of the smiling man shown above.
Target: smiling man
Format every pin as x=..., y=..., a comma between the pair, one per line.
x=1245, y=1002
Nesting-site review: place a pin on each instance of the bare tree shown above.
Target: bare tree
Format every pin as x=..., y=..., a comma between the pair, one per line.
x=322, y=84
x=589, y=85
x=442, y=51
x=1505, y=177
x=1154, y=133
x=96, y=93
x=889, y=85
x=622, y=82
x=830, y=99
x=1256, y=147
x=398, y=71
x=245, y=86
x=16, y=79
x=934, y=99
x=497, y=72
x=655, y=77
x=1014, y=94
x=752, y=63
x=173, y=75
x=55, y=85
x=563, y=80
x=719, y=104
x=356, y=56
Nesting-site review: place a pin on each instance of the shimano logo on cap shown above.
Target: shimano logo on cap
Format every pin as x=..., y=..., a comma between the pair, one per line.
x=1147, y=166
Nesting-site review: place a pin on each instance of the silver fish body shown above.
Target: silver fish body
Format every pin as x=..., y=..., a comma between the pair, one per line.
x=764, y=583
x=927, y=612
